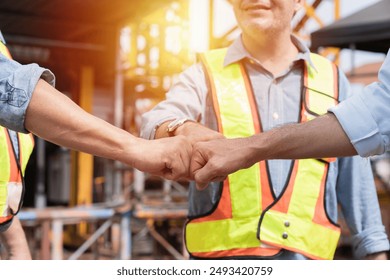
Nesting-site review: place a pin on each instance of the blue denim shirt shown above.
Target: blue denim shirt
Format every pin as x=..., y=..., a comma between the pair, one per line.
x=365, y=117
x=17, y=83
x=350, y=181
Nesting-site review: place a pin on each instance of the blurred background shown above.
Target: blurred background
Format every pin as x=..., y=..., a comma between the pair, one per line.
x=117, y=59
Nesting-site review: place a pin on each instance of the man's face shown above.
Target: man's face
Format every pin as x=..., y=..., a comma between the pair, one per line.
x=265, y=15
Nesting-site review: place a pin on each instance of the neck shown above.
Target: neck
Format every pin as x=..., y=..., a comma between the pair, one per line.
x=274, y=52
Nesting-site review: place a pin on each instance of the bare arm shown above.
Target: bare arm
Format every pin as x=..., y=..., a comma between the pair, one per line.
x=54, y=117
x=322, y=137
x=377, y=256
x=15, y=241
x=319, y=138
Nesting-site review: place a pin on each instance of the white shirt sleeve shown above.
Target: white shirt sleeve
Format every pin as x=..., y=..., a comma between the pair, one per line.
x=185, y=99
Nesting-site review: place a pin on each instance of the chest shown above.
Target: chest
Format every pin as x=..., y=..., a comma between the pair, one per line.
x=278, y=99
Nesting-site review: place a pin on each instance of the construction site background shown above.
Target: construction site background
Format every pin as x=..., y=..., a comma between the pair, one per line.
x=117, y=59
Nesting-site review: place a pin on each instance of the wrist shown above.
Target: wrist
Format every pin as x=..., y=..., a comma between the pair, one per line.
x=251, y=150
x=186, y=129
x=278, y=143
x=259, y=147
x=171, y=127
x=129, y=149
x=176, y=125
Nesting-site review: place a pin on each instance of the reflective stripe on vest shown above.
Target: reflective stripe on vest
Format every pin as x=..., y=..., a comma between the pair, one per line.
x=11, y=183
x=233, y=228
x=4, y=50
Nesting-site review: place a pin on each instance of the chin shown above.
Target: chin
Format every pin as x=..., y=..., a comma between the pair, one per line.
x=258, y=27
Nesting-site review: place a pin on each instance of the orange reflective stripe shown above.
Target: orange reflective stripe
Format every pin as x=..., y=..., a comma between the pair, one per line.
x=223, y=209
x=266, y=196
x=320, y=216
x=284, y=202
x=5, y=219
x=213, y=92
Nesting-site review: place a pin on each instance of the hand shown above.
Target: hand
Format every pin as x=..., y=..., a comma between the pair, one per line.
x=193, y=133
x=215, y=159
x=166, y=157
x=196, y=133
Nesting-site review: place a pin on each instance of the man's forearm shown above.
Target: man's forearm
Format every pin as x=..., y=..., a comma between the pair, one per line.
x=54, y=117
x=319, y=138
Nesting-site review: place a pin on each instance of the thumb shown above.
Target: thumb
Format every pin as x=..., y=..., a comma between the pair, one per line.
x=203, y=177
x=198, y=161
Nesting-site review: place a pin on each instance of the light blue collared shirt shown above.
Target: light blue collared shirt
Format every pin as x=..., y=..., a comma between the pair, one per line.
x=365, y=117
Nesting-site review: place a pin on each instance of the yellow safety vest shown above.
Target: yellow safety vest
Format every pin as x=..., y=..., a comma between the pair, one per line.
x=12, y=167
x=248, y=221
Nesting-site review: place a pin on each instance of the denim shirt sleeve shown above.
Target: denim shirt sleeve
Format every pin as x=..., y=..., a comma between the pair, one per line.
x=365, y=116
x=17, y=83
x=356, y=194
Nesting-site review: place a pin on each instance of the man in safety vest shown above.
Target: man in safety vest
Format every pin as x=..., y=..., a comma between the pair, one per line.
x=278, y=209
x=15, y=150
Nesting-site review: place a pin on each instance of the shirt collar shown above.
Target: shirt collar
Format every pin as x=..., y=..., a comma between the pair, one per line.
x=237, y=52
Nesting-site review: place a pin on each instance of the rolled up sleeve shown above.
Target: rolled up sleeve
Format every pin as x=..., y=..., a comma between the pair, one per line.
x=360, y=207
x=365, y=117
x=370, y=241
x=183, y=100
x=17, y=84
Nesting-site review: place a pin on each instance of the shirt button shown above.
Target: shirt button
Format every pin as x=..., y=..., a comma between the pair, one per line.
x=285, y=235
x=286, y=223
x=275, y=116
